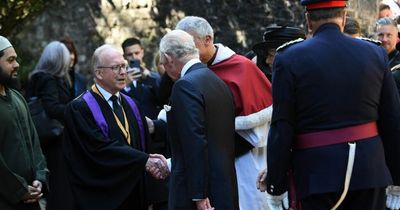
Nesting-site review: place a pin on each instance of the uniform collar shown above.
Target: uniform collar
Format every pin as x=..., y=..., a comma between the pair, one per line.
x=327, y=27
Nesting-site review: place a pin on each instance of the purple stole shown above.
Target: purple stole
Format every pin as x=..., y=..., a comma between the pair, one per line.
x=101, y=121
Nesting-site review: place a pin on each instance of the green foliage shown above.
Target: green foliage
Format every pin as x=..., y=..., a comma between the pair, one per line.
x=15, y=12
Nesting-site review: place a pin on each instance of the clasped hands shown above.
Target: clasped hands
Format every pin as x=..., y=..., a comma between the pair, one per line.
x=157, y=166
x=34, y=192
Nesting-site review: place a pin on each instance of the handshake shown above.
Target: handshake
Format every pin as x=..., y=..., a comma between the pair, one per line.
x=157, y=166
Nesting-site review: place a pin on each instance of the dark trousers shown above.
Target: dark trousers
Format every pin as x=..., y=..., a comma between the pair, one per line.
x=367, y=199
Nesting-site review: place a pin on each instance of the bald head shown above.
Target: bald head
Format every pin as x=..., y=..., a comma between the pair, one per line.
x=101, y=53
x=109, y=68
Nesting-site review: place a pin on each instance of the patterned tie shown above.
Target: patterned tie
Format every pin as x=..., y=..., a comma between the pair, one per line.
x=117, y=109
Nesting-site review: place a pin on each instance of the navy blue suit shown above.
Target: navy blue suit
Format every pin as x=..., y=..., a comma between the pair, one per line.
x=201, y=127
x=326, y=82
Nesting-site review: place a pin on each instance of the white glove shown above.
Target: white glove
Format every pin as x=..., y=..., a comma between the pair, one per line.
x=393, y=197
x=162, y=115
x=278, y=202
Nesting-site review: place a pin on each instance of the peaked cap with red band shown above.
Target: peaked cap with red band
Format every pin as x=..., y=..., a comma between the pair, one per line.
x=322, y=4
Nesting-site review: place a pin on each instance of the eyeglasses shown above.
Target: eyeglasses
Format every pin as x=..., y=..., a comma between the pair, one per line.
x=116, y=68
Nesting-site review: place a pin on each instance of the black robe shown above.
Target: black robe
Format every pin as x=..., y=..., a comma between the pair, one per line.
x=104, y=173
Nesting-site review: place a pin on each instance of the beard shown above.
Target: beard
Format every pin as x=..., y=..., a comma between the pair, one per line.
x=8, y=80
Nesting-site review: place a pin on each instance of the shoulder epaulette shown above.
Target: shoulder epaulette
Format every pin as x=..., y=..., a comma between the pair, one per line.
x=377, y=42
x=289, y=43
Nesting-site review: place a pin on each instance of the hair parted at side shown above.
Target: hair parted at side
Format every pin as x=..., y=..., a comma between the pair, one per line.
x=179, y=45
x=323, y=14
x=54, y=60
x=196, y=25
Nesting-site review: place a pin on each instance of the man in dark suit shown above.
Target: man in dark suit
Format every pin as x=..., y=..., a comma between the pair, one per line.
x=143, y=83
x=201, y=127
x=335, y=118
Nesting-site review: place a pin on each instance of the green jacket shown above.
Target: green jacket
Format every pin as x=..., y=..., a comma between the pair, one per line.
x=21, y=159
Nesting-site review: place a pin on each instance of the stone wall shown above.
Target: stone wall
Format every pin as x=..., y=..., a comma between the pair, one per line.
x=238, y=24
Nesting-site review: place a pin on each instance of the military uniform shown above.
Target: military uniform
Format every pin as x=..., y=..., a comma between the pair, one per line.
x=329, y=82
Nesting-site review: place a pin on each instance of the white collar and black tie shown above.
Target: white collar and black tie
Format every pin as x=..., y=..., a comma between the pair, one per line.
x=114, y=102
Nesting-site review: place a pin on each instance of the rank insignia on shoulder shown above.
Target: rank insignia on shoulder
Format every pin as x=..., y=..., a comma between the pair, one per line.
x=377, y=42
x=287, y=44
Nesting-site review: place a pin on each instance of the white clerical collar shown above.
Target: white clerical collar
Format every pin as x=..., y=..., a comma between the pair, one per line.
x=188, y=65
x=105, y=93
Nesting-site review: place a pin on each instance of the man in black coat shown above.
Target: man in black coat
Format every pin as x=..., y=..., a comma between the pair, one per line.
x=106, y=142
x=335, y=118
x=201, y=127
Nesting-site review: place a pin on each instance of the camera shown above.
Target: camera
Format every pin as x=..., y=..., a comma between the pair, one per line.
x=135, y=63
x=134, y=71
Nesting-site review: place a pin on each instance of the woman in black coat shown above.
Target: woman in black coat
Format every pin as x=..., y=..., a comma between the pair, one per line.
x=50, y=82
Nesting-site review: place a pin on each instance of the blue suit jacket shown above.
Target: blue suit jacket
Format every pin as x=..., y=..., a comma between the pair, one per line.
x=332, y=81
x=201, y=127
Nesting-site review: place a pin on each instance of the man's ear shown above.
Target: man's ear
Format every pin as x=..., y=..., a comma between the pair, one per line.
x=98, y=75
x=308, y=21
x=168, y=58
x=208, y=40
x=344, y=19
